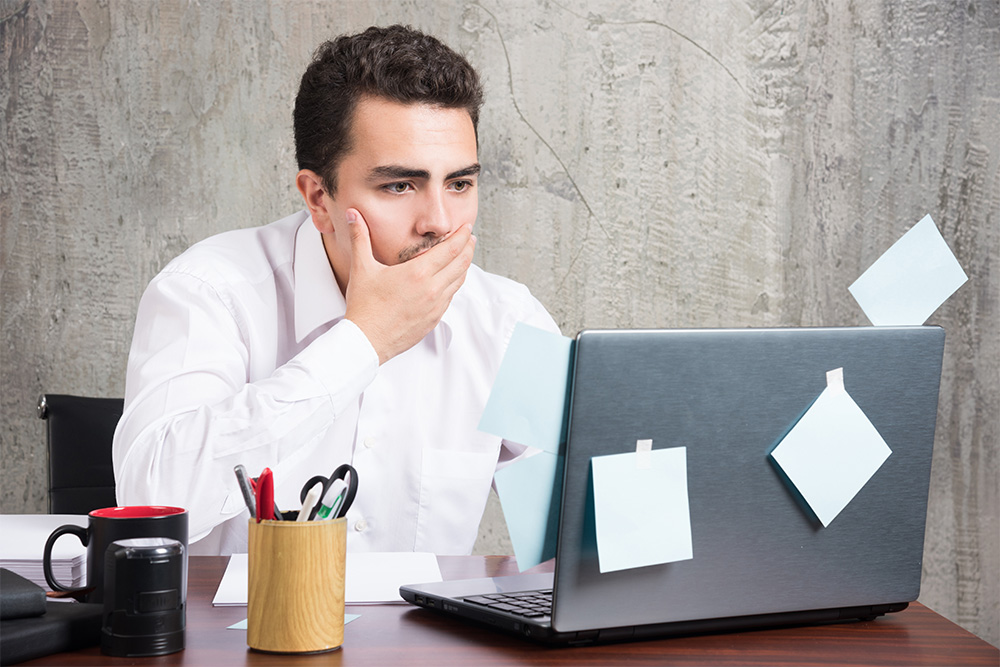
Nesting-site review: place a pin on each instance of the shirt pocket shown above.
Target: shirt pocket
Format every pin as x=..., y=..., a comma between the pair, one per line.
x=454, y=486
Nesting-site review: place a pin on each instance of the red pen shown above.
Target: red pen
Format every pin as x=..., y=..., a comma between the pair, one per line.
x=265, y=495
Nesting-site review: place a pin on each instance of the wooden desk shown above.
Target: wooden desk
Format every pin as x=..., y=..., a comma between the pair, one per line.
x=405, y=635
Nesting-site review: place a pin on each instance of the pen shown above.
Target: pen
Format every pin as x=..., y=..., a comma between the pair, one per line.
x=332, y=500
x=246, y=488
x=312, y=497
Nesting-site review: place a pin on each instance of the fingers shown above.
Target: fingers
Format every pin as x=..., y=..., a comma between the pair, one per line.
x=452, y=275
x=459, y=242
x=360, y=235
x=445, y=262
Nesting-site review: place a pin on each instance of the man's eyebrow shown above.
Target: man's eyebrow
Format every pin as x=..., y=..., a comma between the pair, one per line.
x=471, y=170
x=395, y=171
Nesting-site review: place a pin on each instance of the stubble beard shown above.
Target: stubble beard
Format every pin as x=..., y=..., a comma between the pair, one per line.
x=406, y=254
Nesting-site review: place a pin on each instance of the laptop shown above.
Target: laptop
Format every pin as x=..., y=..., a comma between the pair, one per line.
x=761, y=558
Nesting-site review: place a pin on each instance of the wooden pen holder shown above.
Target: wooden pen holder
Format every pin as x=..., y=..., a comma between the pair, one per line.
x=295, y=598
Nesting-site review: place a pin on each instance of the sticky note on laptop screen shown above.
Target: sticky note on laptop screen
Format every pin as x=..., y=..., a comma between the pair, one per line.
x=527, y=404
x=530, y=490
x=832, y=451
x=911, y=280
x=641, y=508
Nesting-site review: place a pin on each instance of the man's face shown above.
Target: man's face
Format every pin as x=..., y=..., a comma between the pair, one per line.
x=412, y=173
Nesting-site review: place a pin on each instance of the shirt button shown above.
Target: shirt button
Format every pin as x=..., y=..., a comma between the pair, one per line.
x=369, y=442
x=361, y=525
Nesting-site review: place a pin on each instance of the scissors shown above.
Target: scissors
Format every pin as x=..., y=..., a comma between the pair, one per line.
x=347, y=474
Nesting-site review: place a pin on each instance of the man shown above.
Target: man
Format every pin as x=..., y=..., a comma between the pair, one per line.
x=354, y=331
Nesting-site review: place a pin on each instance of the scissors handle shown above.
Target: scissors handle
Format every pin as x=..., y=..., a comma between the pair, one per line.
x=350, y=475
x=345, y=472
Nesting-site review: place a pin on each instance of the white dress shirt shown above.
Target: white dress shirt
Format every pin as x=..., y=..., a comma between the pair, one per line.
x=241, y=355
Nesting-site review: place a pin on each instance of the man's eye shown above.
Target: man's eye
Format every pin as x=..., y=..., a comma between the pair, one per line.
x=397, y=188
x=459, y=186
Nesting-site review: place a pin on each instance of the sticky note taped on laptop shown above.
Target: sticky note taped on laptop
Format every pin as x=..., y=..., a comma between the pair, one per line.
x=911, y=280
x=641, y=507
x=832, y=451
x=527, y=404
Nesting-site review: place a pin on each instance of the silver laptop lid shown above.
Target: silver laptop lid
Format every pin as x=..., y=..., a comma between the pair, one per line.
x=729, y=396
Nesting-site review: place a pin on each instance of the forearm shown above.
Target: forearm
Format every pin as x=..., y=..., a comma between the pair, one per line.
x=187, y=459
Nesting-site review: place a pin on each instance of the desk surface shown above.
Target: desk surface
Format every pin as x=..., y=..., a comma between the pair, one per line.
x=405, y=635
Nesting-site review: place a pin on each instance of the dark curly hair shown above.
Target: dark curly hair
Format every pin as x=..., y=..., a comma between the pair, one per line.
x=397, y=63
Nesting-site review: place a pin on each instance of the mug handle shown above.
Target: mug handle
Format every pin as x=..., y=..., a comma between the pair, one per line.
x=84, y=536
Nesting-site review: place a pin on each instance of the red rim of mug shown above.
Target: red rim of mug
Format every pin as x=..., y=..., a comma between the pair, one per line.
x=136, y=512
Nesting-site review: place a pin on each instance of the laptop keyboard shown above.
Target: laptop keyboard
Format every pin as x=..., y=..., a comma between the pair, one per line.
x=530, y=604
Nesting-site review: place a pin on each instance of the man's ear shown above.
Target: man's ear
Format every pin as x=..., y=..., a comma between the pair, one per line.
x=310, y=186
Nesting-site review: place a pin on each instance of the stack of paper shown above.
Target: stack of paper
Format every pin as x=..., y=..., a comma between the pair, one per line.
x=23, y=544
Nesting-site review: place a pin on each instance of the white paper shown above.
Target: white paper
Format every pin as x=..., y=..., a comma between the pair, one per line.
x=911, y=279
x=642, y=514
x=22, y=545
x=375, y=577
x=371, y=577
x=832, y=452
x=24, y=536
x=242, y=625
x=232, y=591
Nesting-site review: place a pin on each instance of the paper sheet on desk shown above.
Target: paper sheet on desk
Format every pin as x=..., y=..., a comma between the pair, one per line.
x=371, y=578
x=242, y=625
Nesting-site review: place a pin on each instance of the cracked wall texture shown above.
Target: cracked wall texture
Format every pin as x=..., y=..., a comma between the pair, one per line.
x=667, y=164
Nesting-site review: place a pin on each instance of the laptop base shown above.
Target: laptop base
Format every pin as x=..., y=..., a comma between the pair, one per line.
x=541, y=631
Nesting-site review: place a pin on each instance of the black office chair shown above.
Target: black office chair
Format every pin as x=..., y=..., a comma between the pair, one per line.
x=80, y=432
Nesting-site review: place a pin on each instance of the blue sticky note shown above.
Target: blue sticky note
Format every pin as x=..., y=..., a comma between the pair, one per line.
x=832, y=451
x=641, y=509
x=530, y=491
x=527, y=404
x=911, y=279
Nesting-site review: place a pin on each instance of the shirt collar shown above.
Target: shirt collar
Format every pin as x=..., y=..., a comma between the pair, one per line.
x=318, y=299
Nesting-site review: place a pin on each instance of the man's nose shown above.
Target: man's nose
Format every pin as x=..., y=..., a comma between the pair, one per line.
x=433, y=218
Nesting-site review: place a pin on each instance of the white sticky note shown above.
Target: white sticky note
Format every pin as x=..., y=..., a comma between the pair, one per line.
x=527, y=404
x=832, y=451
x=530, y=491
x=911, y=280
x=642, y=514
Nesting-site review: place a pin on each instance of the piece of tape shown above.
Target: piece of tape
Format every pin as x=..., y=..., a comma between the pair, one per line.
x=835, y=380
x=643, y=454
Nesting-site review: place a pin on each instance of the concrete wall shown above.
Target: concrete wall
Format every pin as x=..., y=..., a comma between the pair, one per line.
x=718, y=163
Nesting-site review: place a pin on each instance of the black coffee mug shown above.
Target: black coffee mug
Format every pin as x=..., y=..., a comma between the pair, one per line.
x=110, y=525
